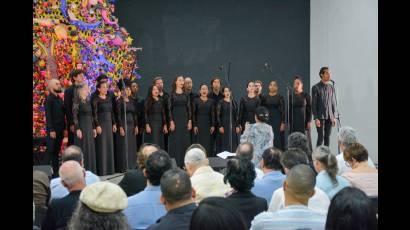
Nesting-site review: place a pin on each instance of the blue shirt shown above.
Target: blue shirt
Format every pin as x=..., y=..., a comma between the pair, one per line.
x=268, y=184
x=324, y=182
x=145, y=208
x=59, y=191
x=291, y=217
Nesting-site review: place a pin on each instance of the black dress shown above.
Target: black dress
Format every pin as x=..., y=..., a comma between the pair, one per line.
x=126, y=158
x=223, y=120
x=215, y=136
x=103, y=114
x=247, y=108
x=300, y=113
x=204, y=119
x=179, y=111
x=276, y=106
x=83, y=120
x=155, y=117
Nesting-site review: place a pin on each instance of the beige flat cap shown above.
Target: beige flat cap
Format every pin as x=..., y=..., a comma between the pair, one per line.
x=104, y=197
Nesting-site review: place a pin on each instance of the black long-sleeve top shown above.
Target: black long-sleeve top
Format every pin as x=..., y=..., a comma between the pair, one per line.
x=55, y=111
x=247, y=108
x=68, y=103
x=129, y=106
x=139, y=105
x=174, y=97
x=205, y=107
x=157, y=107
x=224, y=106
x=299, y=101
x=323, y=101
x=102, y=106
x=84, y=108
x=272, y=102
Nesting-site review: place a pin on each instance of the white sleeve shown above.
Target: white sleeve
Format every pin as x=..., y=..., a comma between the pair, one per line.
x=277, y=201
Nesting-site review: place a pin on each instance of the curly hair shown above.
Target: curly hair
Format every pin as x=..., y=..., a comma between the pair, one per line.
x=86, y=219
x=240, y=173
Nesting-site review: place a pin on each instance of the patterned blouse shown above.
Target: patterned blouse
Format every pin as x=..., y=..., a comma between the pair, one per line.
x=261, y=136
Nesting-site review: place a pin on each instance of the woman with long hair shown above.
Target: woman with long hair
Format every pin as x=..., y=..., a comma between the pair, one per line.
x=84, y=126
x=204, y=119
x=247, y=106
x=180, y=123
x=227, y=115
x=128, y=129
x=103, y=114
x=155, y=118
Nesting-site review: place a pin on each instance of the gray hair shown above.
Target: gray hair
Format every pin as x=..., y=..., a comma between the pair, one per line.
x=71, y=173
x=74, y=153
x=347, y=136
x=328, y=160
x=245, y=150
x=196, y=157
x=301, y=181
x=299, y=140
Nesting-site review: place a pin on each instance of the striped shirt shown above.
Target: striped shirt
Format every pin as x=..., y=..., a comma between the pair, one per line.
x=291, y=217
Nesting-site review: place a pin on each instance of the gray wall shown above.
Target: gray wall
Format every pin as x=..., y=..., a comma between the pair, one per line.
x=343, y=36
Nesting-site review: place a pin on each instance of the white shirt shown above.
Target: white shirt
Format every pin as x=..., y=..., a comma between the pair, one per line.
x=259, y=174
x=341, y=164
x=319, y=202
x=207, y=182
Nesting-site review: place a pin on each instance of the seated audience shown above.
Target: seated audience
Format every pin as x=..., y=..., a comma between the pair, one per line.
x=41, y=195
x=273, y=177
x=59, y=212
x=318, y=202
x=144, y=208
x=361, y=176
x=325, y=164
x=351, y=209
x=300, y=140
x=204, y=179
x=178, y=198
x=240, y=173
x=100, y=207
x=71, y=153
x=245, y=150
x=298, y=187
x=217, y=213
x=346, y=137
x=260, y=134
x=134, y=180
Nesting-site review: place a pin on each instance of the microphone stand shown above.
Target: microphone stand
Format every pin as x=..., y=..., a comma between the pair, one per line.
x=337, y=112
x=125, y=124
x=230, y=109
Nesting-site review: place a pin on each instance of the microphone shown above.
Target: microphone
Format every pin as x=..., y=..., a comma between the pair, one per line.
x=220, y=68
x=267, y=65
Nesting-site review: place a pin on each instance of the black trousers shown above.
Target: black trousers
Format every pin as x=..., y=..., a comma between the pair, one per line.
x=70, y=136
x=53, y=150
x=324, y=131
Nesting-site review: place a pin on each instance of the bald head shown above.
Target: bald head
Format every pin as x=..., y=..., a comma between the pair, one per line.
x=54, y=86
x=300, y=182
x=74, y=153
x=72, y=175
x=245, y=150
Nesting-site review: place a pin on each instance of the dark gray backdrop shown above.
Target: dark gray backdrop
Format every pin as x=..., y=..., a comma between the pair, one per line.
x=193, y=38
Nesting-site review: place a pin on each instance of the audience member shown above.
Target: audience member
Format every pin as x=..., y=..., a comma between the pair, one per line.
x=299, y=187
x=204, y=179
x=300, y=140
x=318, y=202
x=346, y=137
x=59, y=212
x=144, y=208
x=178, y=197
x=74, y=153
x=240, y=174
x=325, y=164
x=351, y=209
x=217, y=213
x=245, y=150
x=41, y=196
x=134, y=180
x=273, y=177
x=100, y=207
x=361, y=176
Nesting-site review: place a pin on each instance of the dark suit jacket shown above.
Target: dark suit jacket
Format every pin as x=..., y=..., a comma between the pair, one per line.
x=249, y=204
x=133, y=182
x=175, y=219
x=60, y=211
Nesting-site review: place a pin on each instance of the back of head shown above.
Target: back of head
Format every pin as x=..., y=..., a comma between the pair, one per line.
x=72, y=153
x=240, y=173
x=356, y=151
x=143, y=153
x=245, y=150
x=351, y=208
x=299, y=140
x=176, y=186
x=347, y=136
x=327, y=159
x=301, y=181
x=195, y=157
x=271, y=158
x=262, y=113
x=71, y=173
x=293, y=157
x=217, y=213
x=157, y=164
x=197, y=146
